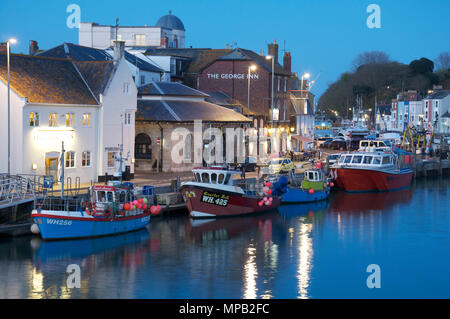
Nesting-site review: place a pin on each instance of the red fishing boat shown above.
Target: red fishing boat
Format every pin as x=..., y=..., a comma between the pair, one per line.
x=371, y=172
x=213, y=193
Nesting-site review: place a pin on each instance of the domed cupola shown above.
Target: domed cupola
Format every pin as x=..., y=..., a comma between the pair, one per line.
x=170, y=21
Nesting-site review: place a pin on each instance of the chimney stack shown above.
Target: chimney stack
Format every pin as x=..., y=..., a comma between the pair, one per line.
x=33, y=47
x=287, y=62
x=119, y=49
x=273, y=50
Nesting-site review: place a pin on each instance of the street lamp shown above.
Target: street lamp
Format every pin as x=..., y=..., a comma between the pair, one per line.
x=250, y=68
x=271, y=57
x=8, y=44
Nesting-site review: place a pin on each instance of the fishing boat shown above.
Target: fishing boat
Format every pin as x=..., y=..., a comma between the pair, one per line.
x=314, y=187
x=372, y=171
x=213, y=193
x=107, y=210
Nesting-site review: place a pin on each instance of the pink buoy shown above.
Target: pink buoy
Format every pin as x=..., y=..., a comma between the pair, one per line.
x=311, y=191
x=331, y=184
x=267, y=184
x=260, y=203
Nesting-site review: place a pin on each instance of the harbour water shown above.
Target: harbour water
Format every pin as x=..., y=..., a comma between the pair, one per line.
x=317, y=250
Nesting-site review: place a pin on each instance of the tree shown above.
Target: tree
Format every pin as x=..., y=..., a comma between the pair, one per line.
x=442, y=62
x=421, y=66
x=370, y=57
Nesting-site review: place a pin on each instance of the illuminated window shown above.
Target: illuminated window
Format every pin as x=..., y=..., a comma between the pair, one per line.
x=111, y=156
x=69, y=119
x=70, y=159
x=86, y=159
x=52, y=119
x=86, y=119
x=34, y=119
x=140, y=39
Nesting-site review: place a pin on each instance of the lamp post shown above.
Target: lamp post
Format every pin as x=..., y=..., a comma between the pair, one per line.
x=8, y=44
x=250, y=68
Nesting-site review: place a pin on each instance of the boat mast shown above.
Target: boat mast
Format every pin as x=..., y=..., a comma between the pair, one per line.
x=61, y=178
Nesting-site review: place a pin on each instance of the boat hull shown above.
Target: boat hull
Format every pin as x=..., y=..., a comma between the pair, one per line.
x=223, y=203
x=57, y=226
x=299, y=195
x=367, y=180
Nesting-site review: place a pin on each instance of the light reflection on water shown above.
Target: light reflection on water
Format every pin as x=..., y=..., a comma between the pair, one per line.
x=316, y=250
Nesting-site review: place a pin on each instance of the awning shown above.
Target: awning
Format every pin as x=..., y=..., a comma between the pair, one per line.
x=302, y=138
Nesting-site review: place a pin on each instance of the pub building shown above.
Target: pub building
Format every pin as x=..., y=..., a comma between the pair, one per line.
x=246, y=78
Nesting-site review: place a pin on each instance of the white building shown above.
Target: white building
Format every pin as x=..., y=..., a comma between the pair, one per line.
x=90, y=106
x=436, y=107
x=168, y=32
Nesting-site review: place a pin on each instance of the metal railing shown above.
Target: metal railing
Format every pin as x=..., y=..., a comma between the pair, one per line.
x=15, y=188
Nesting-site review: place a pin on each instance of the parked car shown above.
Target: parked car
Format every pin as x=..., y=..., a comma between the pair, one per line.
x=322, y=140
x=279, y=165
x=338, y=144
x=333, y=158
x=249, y=164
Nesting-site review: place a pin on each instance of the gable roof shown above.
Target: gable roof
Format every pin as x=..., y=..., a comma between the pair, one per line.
x=438, y=95
x=46, y=80
x=185, y=111
x=96, y=74
x=81, y=53
x=169, y=88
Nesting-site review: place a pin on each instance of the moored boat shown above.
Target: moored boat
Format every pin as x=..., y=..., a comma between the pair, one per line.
x=371, y=172
x=109, y=210
x=213, y=194
x=312, y=188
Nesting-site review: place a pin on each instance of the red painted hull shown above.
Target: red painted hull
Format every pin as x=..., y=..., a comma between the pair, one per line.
x=366, y=180
x=237, y=204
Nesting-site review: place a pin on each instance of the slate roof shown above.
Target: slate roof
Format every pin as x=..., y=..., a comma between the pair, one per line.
x=46, y=80
x=169, y=88
x=438, y=95
x=96, y=74
x=185, y=111
x=82, y=53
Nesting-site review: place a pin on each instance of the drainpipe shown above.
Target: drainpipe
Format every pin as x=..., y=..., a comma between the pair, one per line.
x=161, y=148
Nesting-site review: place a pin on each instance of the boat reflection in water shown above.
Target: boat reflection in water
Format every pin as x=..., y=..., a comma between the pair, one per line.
x=202, y=230
x=344, y=202
x=56, y=251
x=98, y=259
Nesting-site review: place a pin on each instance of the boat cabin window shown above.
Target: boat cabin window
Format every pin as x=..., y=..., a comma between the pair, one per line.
x=214, y=178
x=341, y=159
x=357, y=159
x=364, y=143
x=348, y=159
x=376, y=160
x=311, y=176
x=220, y=180
x=101, y=196
x=197, y=177
x=367, y=160
x=122, y=197
x=205, y=178
x=386, y=160
x=227, y=179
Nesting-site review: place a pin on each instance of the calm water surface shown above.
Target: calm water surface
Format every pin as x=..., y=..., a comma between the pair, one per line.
x=300, y=251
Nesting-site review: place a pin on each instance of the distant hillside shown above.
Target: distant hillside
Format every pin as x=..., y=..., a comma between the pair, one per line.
x=375, y=75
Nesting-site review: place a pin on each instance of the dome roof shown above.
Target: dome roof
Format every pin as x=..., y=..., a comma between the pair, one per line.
x=170, y=21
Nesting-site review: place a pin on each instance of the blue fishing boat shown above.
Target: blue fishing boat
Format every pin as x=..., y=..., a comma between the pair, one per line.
x=312, y=188
x=107, y=210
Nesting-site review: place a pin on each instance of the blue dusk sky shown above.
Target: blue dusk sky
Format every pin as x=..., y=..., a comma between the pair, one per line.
x=322, y=35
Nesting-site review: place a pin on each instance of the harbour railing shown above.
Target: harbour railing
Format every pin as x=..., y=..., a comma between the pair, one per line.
x=15, y=190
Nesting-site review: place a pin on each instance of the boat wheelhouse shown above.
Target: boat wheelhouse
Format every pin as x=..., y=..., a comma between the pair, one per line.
x=312, y=188
x=371, y=171
x=214, y=193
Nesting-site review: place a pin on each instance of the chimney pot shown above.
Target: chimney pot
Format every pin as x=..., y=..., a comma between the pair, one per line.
x=119, y=49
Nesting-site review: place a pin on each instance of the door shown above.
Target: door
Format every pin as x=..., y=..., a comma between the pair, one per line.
x=51, y=167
